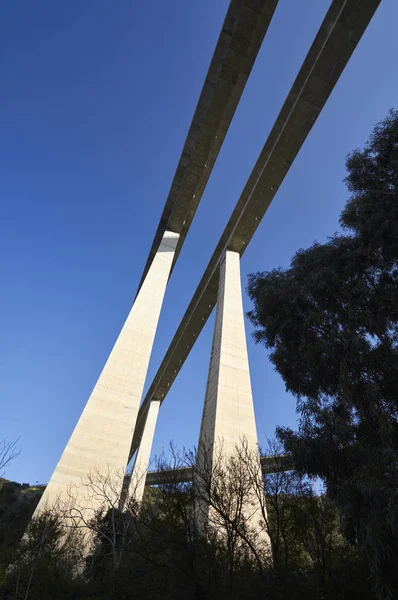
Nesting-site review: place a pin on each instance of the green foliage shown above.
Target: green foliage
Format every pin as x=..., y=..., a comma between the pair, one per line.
x=17, y=504
x=330, y=322
x=44, y=564
x=157, y=553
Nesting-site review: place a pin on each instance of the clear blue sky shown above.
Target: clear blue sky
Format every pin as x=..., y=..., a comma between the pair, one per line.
x=96, y=101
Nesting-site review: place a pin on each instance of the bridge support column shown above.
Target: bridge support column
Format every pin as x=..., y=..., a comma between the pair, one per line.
x=99, y=445
x=228, y=422
x=140, y=469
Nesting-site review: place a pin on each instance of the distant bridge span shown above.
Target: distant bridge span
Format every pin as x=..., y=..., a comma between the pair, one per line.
x=269, y=464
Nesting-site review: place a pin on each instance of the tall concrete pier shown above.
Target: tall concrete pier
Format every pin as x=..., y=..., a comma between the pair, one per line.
x=99, y=445
x=141, y=464
x=228, y=422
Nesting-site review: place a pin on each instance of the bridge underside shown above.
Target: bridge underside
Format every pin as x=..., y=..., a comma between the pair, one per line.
x=337, y=38
x=241, y=36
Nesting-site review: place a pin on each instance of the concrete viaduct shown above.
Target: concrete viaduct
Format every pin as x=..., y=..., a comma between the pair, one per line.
x=340, y=32
x=115, y=424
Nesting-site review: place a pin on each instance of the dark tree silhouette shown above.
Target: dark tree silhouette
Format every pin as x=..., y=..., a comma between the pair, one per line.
x=330, y=322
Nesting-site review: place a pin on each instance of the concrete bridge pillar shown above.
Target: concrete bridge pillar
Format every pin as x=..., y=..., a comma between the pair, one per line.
x=228, y=422
x=140, y=469
x=99, y=445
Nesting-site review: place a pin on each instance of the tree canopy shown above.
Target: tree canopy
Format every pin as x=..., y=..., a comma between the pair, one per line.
x=330, y=322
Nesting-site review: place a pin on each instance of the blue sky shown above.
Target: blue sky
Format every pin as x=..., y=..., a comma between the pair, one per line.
x=97, y=97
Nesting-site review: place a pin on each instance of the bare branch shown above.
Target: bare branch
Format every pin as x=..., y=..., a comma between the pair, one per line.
x=8, y=451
